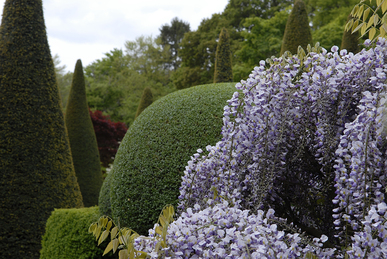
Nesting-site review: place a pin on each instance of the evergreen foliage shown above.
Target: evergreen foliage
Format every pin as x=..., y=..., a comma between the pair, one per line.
x=83, y=142
x=149, y=165
x=223, y=63
x=67, y=236
x=37, y=173
x=104, y=196
x=146, y=100
x=350, y=40
x=297, y=31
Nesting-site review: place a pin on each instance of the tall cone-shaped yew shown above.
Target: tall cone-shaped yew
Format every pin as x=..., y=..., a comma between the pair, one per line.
x=37, y=172
x=297, y=30
x=83, y=143
x=223, y=64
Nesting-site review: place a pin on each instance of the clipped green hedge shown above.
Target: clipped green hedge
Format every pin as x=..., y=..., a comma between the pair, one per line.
x=155, y=150
x=104, y=196
x=67, y=235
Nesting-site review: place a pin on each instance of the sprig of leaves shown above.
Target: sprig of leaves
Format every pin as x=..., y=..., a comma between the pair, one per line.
x=123, y=238
x=367, y=20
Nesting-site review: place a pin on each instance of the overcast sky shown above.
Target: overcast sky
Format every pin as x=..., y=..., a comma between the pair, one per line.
x=86, y=29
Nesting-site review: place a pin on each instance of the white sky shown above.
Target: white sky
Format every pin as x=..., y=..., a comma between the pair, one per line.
x=86, y=29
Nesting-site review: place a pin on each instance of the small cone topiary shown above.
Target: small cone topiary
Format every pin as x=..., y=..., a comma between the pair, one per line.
x=146, y=100
x=83, y=143
x=297, y=31
x=223, y=64
x=350, y=40
x=37, y=172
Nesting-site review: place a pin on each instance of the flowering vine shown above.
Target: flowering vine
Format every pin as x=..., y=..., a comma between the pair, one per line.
x=300, y=170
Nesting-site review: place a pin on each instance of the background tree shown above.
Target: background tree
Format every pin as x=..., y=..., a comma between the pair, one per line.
x=170, y=37
x=115, y=83
x=146, y=100
x=198, y=47
x=109, y=135
x=35, y=159
x=83, y=143
x=223, y=63
x=262, y=39
x=197, y=52
x=297, y=31
x=238, y=10
x=63, y=79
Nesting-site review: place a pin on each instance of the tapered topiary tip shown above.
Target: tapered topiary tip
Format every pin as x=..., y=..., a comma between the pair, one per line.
x=297, y=31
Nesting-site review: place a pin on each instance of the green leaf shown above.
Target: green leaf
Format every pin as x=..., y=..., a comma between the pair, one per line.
x=123, y=254
x=115, y=244
x=358, y=27
x=92, y=227
x=108, y=248
x=354, y=10
x=372, y=33
x=109, y=225
x=105, y=221
x=360, y=11
x=376, y=20
x=159, y=230
x=113, y=233
x=384, y=6
x=371, y=21
x=104, y=235
x=97, y=232
x=163, y=220
x=365, y=14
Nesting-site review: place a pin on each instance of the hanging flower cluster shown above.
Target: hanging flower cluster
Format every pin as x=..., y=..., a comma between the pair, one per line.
x=300, y=170
x=305, y=138
x=221, y=231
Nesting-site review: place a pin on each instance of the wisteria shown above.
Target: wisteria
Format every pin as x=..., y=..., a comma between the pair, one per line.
x=300, y=171
x=305, y=140
x=221, y=231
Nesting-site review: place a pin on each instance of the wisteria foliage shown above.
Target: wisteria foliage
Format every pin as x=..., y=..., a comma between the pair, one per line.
x=300, y=170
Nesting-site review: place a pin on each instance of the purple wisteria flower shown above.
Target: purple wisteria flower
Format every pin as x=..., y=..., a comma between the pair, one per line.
x=301, y=167
x=306, y=140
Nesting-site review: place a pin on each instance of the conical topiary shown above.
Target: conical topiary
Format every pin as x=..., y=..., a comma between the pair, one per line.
x=297, y=31
x=37, y=173
x=83, y=143
x=223, y=64
x=146, y=100
x=350, y=40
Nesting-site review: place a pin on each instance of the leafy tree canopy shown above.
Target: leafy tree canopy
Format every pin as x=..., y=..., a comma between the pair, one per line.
x=115, y=83
x=171, y=36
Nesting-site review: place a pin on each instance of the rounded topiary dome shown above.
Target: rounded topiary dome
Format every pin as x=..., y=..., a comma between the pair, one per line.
x=154, y=152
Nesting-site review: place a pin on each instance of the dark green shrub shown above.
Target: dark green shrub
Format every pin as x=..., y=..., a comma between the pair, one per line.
x=67, y=235
x=37, y=173
x=151, y=159
x=83, y=143
x=297, y=31
x=104, y=196
x=223, y=64
x=350, y=40
x=146, y=100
